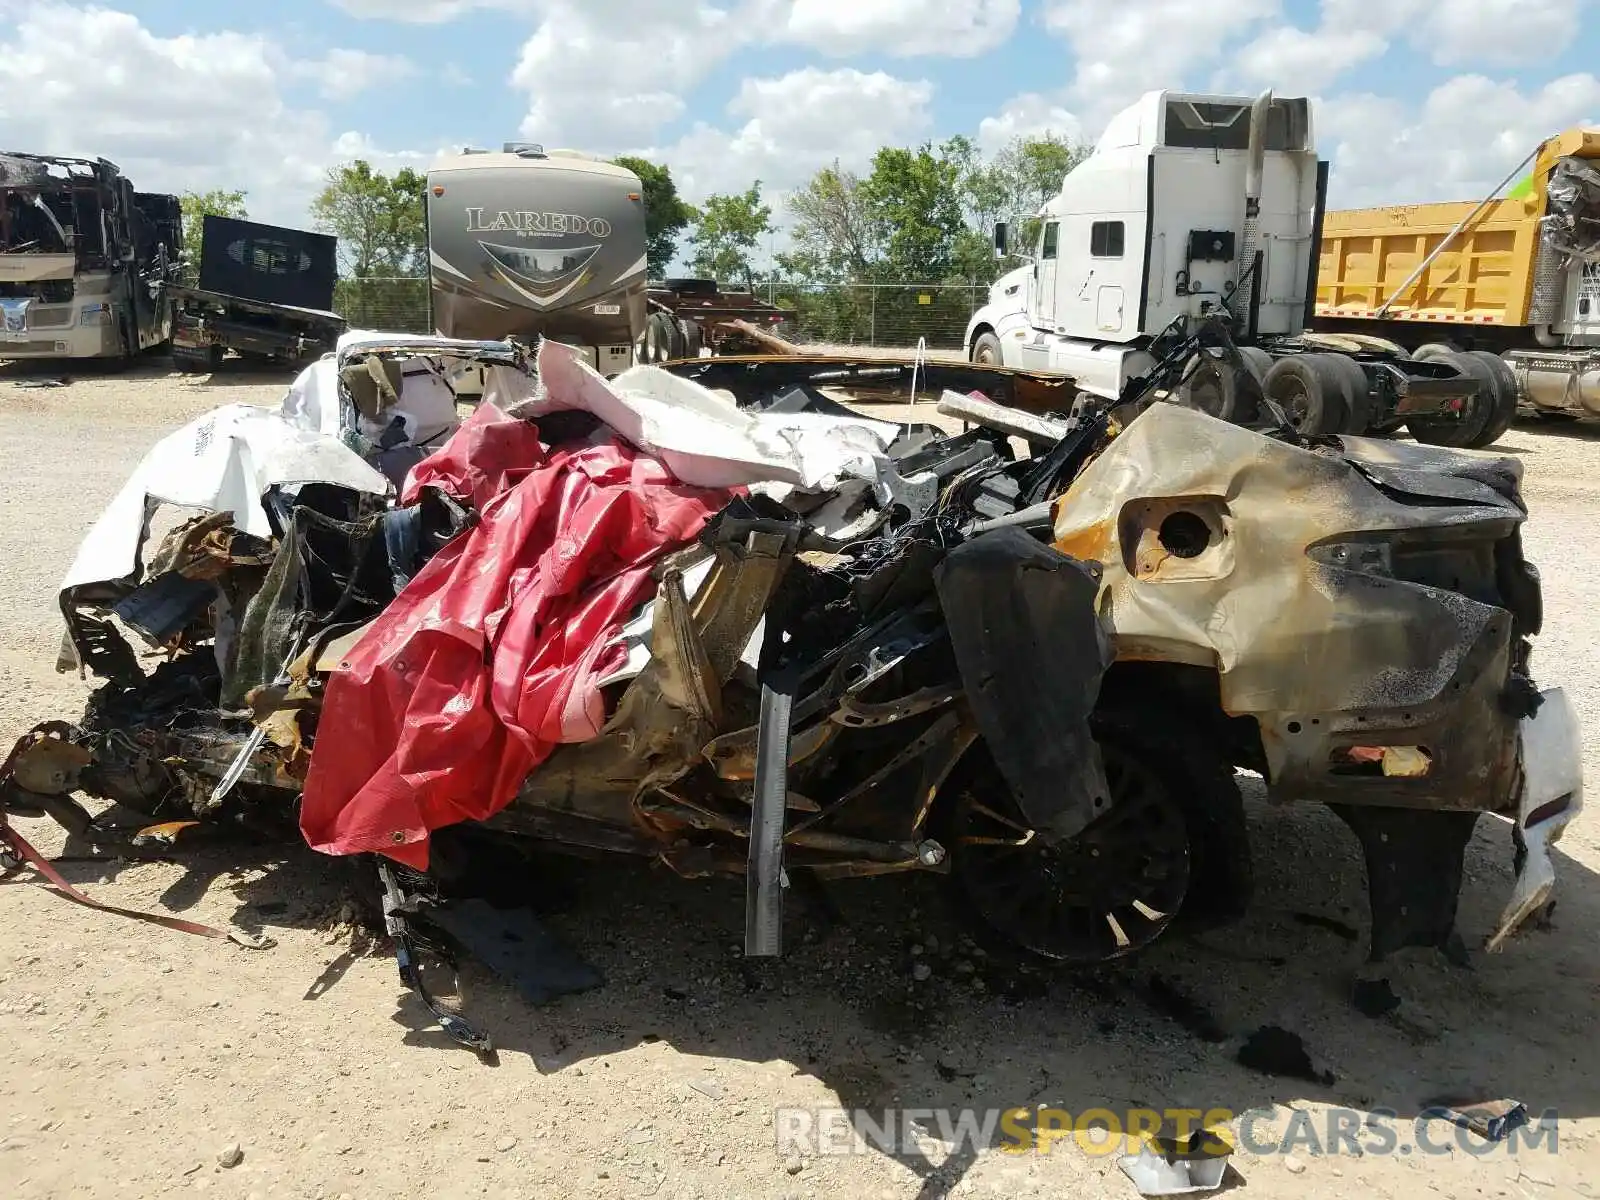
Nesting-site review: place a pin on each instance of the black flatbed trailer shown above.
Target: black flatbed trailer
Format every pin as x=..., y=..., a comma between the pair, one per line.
x=265, y=292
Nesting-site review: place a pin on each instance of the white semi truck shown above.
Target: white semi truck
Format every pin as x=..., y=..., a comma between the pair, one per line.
x=1193, y=207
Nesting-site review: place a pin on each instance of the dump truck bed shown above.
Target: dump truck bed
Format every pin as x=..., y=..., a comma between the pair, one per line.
x=1491, y=273
x=1484, y=277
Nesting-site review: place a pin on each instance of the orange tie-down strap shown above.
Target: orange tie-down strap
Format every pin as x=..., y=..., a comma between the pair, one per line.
x=53, y=879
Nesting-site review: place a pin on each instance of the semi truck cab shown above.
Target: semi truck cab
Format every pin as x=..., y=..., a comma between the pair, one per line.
x=1195, y=206
x=1174, y=207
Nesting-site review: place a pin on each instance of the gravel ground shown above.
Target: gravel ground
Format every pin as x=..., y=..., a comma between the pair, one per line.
x=133, y=1060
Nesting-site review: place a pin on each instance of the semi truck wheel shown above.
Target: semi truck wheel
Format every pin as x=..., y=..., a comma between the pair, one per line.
x=663, y=338
x=986, y=350
x=693, y=338
x=1357, y=395
x=1212, y=387
x=677, y=340
x=655, y=348
x=1258, y=360
x=1474, y=422
x=1504, y=389
x=1310, y=389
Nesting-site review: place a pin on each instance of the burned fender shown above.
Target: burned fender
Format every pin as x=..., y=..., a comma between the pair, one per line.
x=1031, y=653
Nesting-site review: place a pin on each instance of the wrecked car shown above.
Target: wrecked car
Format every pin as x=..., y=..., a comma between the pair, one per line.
x=712, y=616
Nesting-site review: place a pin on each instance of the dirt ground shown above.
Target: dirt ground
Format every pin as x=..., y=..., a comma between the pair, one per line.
x=132, y=1057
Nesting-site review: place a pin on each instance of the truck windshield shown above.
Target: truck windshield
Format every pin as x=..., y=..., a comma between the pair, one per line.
x=37, y=222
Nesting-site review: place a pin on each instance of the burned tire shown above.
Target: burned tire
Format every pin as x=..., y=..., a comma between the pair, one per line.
x=1503, y=383
x=1474, y=421
x=1110, y=891
x=1219, y=389
x=986, y=350
x=1310, y=389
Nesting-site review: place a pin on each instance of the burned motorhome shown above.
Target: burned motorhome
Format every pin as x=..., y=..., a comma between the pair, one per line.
x=711, y=616
x=85, y=261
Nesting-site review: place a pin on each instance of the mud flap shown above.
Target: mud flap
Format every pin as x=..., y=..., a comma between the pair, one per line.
x=1413, y=859
x=1031, y=653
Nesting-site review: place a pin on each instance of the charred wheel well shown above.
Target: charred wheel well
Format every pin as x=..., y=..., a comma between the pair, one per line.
x=1184, y=700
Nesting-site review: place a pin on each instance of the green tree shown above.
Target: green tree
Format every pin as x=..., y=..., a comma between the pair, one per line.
x=837, y=235
x=378, y=219
x=915, y=195
x=1040, y=164
x=1022, y=177
x=727, y=233
x=666, y=214
x=197, y=206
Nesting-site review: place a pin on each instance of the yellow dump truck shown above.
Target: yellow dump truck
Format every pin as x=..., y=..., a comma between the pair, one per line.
x=1518, y=276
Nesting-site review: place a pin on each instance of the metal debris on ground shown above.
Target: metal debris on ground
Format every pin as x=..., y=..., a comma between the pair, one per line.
x=1491, y=1120
x=1167, y=1165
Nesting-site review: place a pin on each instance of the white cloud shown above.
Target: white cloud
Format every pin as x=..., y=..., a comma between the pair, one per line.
x=605, y=73
x=795, y=124
x=1126, y=47
x=1463, y=138
x=1287, y=57
x=1497, y=32
x=345, y=73
x=1028, y=115
x=190, y=112
x=423, y=12
x=351, y=145
x=1493, y=33
x=902, y=27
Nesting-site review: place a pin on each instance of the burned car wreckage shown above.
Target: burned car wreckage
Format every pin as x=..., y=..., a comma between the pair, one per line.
x=708, y=614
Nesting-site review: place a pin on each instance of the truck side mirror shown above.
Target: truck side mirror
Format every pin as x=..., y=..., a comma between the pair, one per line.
x=1002, y=238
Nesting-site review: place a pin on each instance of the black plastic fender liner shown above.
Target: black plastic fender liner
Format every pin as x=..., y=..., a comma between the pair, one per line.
x=1414, y=864
x=1031, y=652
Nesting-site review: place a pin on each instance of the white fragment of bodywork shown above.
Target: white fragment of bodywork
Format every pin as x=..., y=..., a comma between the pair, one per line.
x=224, y=461
x=704, y=440
x=312, y=401
x=426, y=405
x=1552, y=766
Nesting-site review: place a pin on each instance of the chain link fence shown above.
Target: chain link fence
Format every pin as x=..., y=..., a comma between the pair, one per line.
x=886, y=315
x=396, y=304
x=893, y=315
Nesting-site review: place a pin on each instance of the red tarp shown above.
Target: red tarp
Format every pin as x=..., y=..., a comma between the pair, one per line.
x=488, y=659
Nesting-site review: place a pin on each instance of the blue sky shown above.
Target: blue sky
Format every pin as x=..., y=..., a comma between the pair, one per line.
x=1416, y=99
